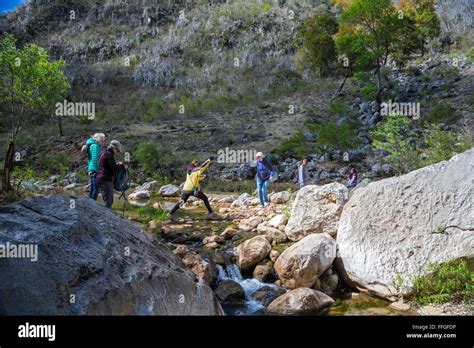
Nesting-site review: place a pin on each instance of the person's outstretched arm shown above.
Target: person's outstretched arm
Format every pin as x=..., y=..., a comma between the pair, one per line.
x=204, y=166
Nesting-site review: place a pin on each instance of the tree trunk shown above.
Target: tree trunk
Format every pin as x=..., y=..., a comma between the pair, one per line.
x=7, y=167
x=378, y=96
x=60, y=125
x=339, y=90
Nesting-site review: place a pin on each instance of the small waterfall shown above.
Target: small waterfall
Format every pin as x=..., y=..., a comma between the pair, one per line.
x=250, y=286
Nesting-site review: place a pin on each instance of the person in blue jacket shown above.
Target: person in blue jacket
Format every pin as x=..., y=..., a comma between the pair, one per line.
x=265, y=173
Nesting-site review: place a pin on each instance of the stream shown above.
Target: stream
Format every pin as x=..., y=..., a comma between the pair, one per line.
x=192, y=225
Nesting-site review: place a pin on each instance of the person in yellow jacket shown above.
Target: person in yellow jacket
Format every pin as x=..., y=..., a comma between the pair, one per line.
x=192, y=187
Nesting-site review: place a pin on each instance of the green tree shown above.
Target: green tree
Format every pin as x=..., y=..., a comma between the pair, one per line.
x=442, y=145
x=30, y=85
x=331, y=136
x=369, y=34
x=395, y=136
x=427, y=22
x=318, y=44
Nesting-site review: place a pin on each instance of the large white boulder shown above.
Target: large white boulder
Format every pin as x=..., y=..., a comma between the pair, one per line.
x=305, y=261
x=316, y=209
x=397, y=226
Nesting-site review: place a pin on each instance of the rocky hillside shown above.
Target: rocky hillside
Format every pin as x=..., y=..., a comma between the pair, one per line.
x=196, y=77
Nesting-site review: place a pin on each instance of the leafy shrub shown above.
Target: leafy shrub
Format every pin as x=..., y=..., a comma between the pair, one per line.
x=442, y=113
x=331, y=136
x=450, y=281
x=58, y=163
x=338, y=107
x=442, y=145
x=395, y=137
x=294, y=146
x=369, y=91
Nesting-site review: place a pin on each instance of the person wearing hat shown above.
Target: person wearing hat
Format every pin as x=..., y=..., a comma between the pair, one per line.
x=265, y=172
x=106, y=172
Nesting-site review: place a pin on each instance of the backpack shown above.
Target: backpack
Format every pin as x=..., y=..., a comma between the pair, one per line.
x=85, y=151
x=121, y=179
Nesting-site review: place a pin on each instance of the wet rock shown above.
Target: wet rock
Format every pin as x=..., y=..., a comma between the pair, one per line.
x=201, y=268
x=263, y=271
x=229, y=292
x=266, y=294
x=301, y=301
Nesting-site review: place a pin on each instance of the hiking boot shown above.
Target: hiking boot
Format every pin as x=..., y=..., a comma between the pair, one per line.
x=214, y=216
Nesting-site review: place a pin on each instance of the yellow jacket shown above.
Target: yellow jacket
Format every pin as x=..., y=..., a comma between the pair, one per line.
x=194, y=178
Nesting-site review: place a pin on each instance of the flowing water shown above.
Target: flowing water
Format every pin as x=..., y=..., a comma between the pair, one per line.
x=193, y=222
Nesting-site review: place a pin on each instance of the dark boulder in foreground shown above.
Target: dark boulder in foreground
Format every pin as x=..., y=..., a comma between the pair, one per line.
x=91, y=261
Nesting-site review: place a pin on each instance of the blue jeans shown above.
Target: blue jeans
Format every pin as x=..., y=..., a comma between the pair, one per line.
x=93, y=189
x=262, y=188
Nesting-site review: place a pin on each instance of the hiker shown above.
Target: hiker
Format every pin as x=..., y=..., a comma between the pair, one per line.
x=92, y=148
x=107, y=170
x=265, y=173
x=303, y=174
x=192, y=187
x=352, y=177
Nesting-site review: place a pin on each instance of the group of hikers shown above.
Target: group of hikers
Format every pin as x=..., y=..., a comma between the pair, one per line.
x=102, y=167
x=102, y=170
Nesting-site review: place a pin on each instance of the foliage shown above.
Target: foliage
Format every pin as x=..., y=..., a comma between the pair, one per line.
x=20, y=176
x=295, y=146
x=30, y=85
x=57, y=163
x=338, y=107
x=331, y=136
x=147, y=213
x=442, y=113
x=319, y=46
x=441, y=145
x=395, y=137
x=450, y=281
x=426, y=21
x=159, y=162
